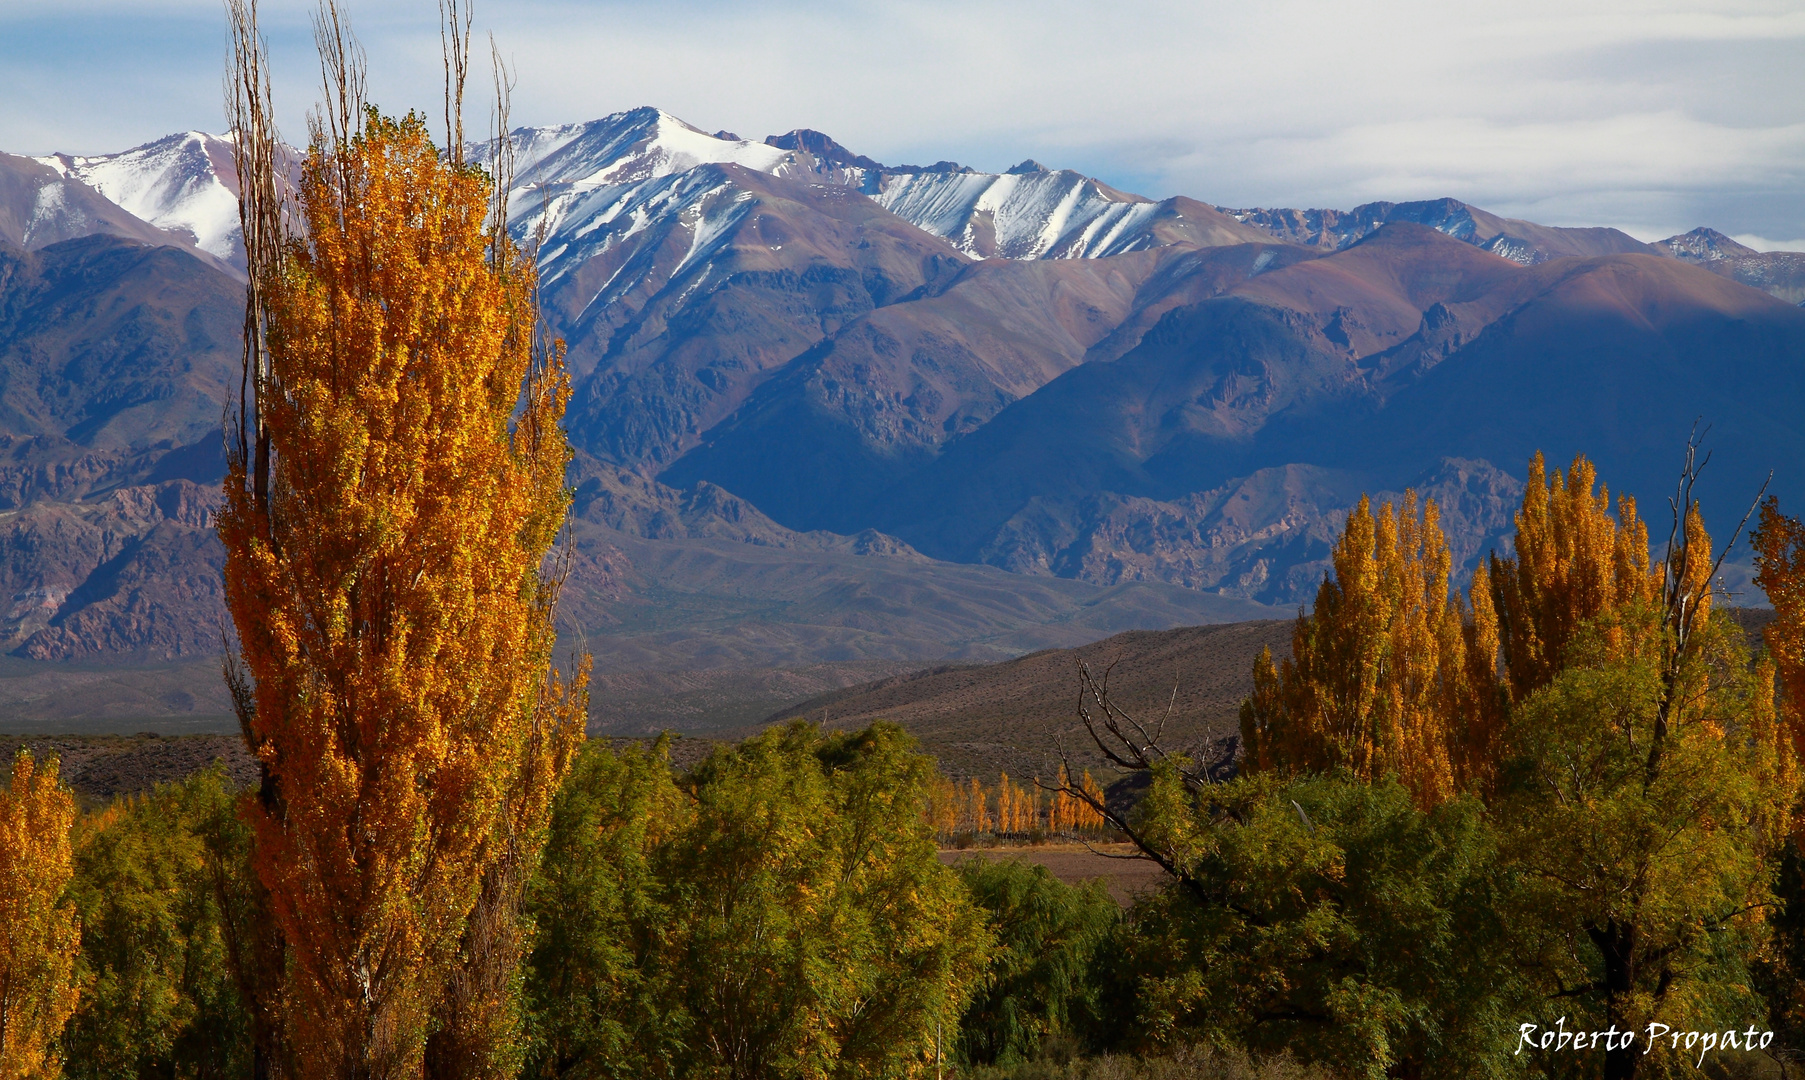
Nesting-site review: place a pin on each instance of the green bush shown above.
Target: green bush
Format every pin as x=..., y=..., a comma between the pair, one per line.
x=1042, y=981
x=159, y=999
x=781, y=912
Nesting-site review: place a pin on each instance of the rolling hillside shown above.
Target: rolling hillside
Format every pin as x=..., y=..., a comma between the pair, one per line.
x=1013, y=716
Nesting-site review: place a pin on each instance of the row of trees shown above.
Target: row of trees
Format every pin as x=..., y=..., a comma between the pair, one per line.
x=1066, y=807
x=1572, y=792
x=778, y=911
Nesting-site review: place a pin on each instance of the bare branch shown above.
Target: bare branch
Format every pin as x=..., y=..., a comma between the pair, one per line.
x=262, y=216
x=454, y=45
x=1122, y=739
x=502, y=164
x=343, y=70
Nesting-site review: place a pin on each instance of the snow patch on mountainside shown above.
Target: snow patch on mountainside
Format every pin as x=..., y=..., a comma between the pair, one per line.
x=1030, y=214
x=563, y=165
x=699, y=204
x=576, y=175
x=184, y=183
x=592, y=186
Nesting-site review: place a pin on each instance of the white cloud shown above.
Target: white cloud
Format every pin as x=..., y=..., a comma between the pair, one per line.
x=1762, y=243
x=1581, y=110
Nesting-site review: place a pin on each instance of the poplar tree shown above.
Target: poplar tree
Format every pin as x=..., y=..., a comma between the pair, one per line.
x=1390, y=672
x=1779, y=543
x=395, y=484
x=40, y=935
x=1574, y=562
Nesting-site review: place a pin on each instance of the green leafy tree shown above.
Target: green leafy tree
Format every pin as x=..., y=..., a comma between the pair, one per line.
x=1043, y=980
x=786, y=917
x=1645, y=889
x=598, y=995
x=159, y=999
x=1329, y=916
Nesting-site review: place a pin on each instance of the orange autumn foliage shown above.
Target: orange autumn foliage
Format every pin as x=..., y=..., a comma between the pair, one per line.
x=1779, y=543
x=398, y=483
x=40, y=936
x=1574, y=562
x=1060, y=810
x=1390, y=672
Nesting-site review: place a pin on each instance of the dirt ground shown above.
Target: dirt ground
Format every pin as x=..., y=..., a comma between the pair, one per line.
x=1073, y=863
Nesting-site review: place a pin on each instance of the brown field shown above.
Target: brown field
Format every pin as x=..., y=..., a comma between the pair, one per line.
x=1124, y=874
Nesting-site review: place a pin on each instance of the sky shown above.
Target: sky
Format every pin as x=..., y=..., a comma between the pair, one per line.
x=1649, y=116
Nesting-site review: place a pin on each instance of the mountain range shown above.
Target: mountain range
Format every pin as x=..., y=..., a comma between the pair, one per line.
x=810, y=385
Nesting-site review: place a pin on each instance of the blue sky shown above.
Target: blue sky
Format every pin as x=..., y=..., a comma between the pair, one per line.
x=1649, y=116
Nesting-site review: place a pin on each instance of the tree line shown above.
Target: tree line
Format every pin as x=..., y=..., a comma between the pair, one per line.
x=1064, y=809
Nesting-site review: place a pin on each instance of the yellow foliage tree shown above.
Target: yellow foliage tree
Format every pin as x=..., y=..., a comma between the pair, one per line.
x=976, y=814
x=1388, y=673
x=395, y=483
x=1573, y=563
x=1392, y=672
x=1006, y=806
x=1779, y=543
x=1061, y=817
x=1087, y=814
x=942, y=809
x=39, y=933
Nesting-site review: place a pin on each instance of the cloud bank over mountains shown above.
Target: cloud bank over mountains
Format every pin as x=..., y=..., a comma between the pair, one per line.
x=1652, y=118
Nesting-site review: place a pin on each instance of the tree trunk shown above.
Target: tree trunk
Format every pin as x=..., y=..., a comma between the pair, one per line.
x=1617, y=945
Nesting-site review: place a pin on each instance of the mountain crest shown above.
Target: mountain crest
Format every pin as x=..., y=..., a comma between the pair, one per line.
x=823, y=148
x=1703, y=245
x=184, y=183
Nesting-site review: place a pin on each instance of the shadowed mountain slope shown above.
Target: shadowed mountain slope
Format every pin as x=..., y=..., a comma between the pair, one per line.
x=671, y=328
x=1615, y=356
x=1519, y=241
x=843, y=423
x=114, y=361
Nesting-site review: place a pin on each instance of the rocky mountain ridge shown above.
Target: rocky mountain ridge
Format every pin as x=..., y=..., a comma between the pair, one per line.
x=938, y=382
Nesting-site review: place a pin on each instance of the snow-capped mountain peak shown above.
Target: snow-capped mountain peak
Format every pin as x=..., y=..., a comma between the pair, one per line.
x=184, y=183
x=1029, y=212
x=625, y=148
x=1703, y=245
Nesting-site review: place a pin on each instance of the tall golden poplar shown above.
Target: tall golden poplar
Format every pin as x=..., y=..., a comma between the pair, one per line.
x=1779, y=543
x=1574, y=561
x=1379, y=678
x=395, y=483
x=39, y=933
